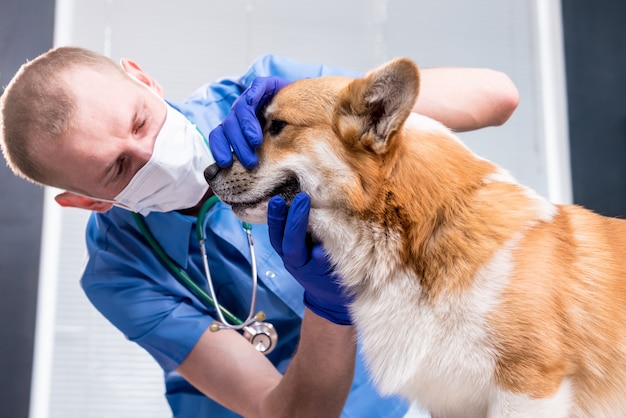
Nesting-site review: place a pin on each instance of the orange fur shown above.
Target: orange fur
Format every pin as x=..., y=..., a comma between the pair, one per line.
x=563, y=313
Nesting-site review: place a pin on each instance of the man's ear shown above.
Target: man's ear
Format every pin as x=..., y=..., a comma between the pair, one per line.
x=71, y=200
x=140, y=74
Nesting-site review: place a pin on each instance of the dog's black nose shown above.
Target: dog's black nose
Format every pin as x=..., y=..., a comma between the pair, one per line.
x=210, y=172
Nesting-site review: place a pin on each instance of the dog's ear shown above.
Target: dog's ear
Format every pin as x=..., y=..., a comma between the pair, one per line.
x=372, y=109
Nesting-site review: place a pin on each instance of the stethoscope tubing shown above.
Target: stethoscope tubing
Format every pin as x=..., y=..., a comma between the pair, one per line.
x=180, y=274
x=252, y=317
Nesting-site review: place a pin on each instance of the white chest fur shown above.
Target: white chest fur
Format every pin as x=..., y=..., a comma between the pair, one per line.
x=437, y=353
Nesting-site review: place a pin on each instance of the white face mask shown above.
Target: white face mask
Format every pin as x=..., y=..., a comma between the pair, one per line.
x=173, y=178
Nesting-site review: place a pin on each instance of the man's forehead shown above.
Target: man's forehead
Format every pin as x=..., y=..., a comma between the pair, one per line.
x=80, y=149
x=85, y=80
x=100, y=96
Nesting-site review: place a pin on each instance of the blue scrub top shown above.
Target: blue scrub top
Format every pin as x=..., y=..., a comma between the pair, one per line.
x=130, y=286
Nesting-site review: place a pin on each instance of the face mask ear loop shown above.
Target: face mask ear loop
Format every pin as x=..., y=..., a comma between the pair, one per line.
x=252, y=317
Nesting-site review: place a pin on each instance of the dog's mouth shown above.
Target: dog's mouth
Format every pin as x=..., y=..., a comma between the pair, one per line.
x=288, y=189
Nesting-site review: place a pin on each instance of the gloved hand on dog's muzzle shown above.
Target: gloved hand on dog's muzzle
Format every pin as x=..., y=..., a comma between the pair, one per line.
x=241, y=130
x=306, y=261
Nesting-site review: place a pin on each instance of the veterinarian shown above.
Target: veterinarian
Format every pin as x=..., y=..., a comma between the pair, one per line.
x=75, y=120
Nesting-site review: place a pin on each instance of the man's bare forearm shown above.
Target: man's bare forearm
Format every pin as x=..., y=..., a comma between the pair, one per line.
x=318, y=381
x=465, y=99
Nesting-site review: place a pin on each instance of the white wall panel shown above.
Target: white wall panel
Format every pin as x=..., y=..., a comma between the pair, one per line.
x=185, y=43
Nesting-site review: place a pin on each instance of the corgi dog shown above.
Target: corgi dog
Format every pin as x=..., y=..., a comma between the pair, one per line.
x=473, y=295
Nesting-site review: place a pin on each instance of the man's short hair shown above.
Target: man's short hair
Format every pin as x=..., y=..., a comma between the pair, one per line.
x=37, y=107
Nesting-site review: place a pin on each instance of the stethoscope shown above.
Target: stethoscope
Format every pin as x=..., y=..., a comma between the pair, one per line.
x=262, y=335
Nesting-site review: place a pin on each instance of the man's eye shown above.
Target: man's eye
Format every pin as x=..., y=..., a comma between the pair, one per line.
x=276, y=126
x=141, y=125
x=120, y=167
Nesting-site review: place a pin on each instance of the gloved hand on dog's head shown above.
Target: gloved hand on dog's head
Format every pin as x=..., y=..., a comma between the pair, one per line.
x=306, y=261
x=241, y=130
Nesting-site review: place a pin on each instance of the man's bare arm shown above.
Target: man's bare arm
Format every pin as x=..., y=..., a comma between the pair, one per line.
x=465, y=99
x=225, y=367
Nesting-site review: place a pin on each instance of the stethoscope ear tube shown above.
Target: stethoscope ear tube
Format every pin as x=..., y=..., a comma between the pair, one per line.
x=237, y=325
x=262, y=335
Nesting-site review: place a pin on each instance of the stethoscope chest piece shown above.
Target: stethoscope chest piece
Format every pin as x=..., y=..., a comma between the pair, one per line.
x=262, y=335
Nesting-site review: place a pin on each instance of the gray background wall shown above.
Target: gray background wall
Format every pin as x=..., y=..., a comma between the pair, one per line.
x=26, y=28
x=595, y=46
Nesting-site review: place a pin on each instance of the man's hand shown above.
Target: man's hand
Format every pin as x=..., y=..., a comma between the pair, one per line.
x=241, y=130
x=306, y=261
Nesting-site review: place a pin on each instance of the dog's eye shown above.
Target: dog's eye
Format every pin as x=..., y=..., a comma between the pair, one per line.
x=276, y=126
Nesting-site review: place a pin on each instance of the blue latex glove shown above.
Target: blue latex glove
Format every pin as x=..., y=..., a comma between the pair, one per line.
x=241, y=130
x=306, y=261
